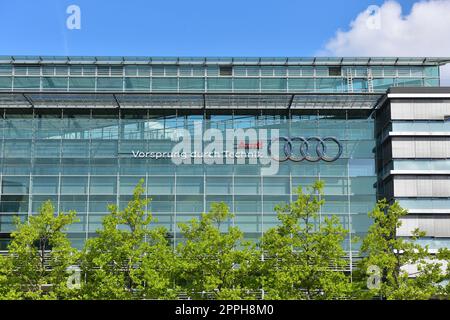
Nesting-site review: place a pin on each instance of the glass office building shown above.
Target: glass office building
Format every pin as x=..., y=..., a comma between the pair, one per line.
x=70, y=128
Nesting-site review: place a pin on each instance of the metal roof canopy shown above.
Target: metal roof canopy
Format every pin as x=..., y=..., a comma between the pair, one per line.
x=219, y=101
x=281, y=61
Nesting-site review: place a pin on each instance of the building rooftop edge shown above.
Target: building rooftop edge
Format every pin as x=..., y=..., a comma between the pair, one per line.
x=31, y=59
x=418, y=90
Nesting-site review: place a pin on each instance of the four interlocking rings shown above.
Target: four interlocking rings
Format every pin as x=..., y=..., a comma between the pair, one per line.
x=304, y=149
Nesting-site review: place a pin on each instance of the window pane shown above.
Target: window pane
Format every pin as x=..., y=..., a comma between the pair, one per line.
x=74, y=185
x=329, y=84
x=161, y=185
x=26, y=82
x=189, y=185
x=82, y=83
x=109, y=83
x=5, y=82
x=14, y=203
x=75, y=149
x=305, y=84
x=246, y=84
x=274, y=185
x=158, y=70
x=103, y=185
x=5, y=69
x=218, y=185
x=47, y=148
x=266, y=71
x=137, y=83
x=73, y=202
x=17, y=149
x=192, y=84
x=15, y=185
x=273, y=84
x=45, y=185
x=127, y=184
x=164, y=84
x=247, y=186
x=54, y=83
x=218, y=84
x=171, y=70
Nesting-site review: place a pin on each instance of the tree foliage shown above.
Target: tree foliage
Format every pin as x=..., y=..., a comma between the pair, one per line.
x=304, y=256
x=394, y=256
x=128, y=259
x=39, y=256
x=444, y=256
x=215, y=261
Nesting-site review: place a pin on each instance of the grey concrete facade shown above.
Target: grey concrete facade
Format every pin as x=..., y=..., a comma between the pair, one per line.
x=413, y=158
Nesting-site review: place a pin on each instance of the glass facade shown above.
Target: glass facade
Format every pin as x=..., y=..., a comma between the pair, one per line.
x=70, y=126
x=282, y=75
x=421, y=126
x=82, y=160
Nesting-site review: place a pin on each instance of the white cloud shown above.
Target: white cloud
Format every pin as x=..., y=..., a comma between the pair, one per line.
x=425, y=31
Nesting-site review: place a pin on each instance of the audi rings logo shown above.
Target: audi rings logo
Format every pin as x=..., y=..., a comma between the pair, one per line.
x=312, y=149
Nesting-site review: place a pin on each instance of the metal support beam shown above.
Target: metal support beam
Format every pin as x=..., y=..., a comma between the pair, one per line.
x=116, y=100
x=291, y=99
x=28, y=100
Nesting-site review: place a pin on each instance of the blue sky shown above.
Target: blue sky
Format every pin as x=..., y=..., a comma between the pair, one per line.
x=176, y=28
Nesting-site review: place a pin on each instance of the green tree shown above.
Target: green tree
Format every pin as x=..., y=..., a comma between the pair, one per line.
x=443, y=255
x=304, y=257
x=36, y=266
x=128, y=259
x=215, y=261
x=7, y=290
x=391, y=256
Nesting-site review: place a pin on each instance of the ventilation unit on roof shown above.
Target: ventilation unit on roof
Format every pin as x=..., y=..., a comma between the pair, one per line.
x=226, y=70
x=335, y=71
